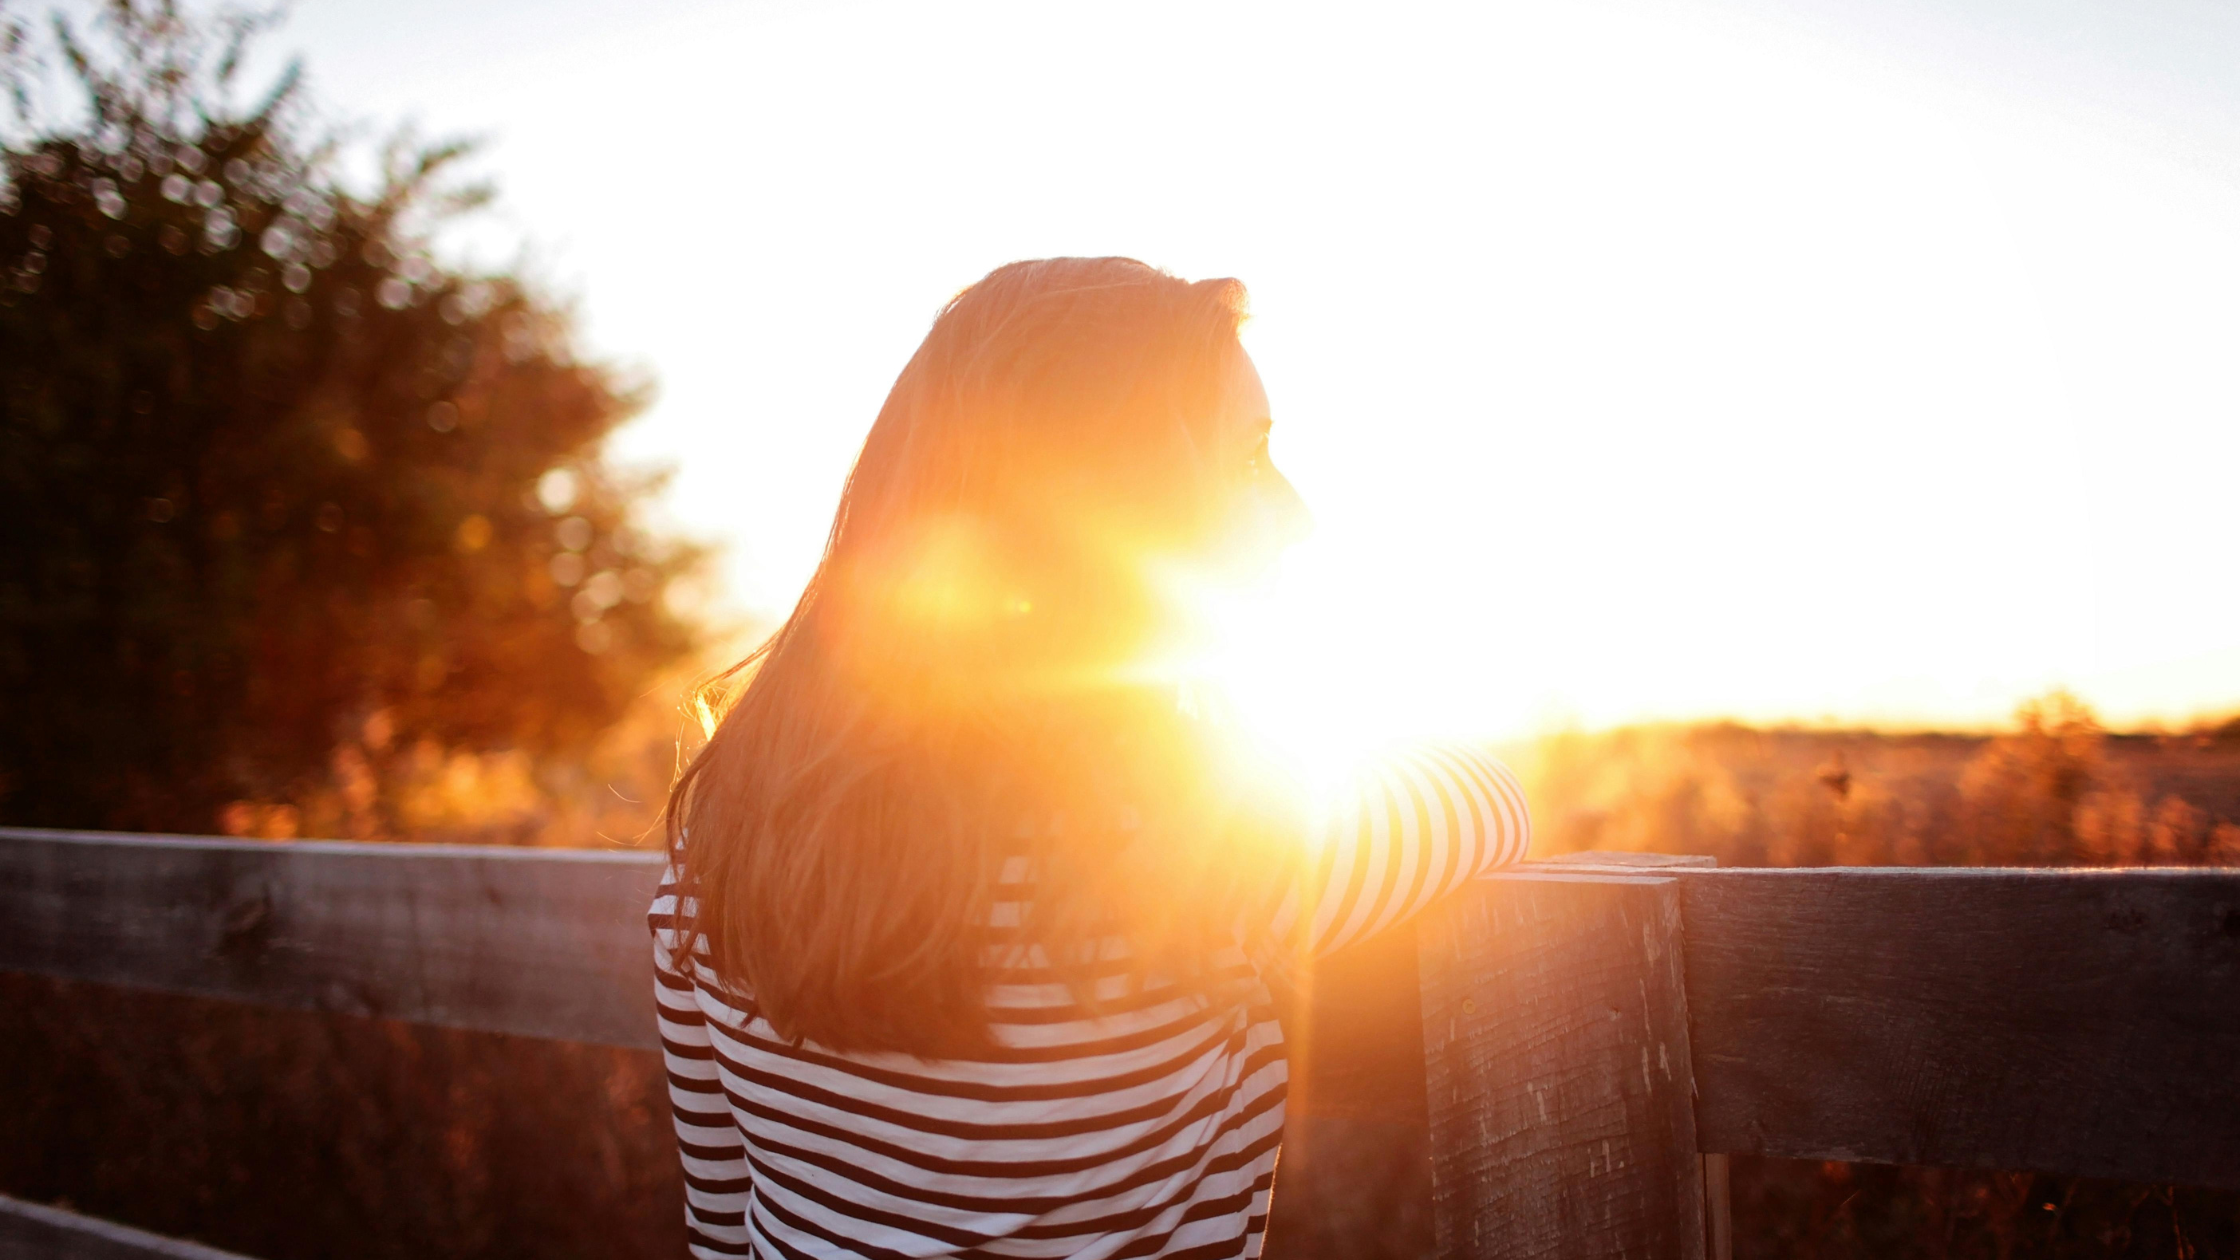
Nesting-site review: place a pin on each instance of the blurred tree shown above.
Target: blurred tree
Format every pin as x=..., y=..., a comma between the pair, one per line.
x=280, y=495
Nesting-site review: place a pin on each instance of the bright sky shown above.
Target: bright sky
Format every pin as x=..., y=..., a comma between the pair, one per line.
x=1819, y=359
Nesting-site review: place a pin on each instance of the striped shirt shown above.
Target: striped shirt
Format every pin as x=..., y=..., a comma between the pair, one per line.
x=1149, y=1130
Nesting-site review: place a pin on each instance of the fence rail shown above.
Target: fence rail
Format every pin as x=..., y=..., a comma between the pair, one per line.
x=33, y=1231
x=1585, y=1032
x=538, y=942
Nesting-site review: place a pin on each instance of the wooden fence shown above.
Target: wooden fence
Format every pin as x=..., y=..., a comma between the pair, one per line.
x=1558, y=1060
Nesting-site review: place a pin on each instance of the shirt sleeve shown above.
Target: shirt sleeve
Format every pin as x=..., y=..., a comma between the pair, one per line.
x=716, y=1175
x=1412, y=827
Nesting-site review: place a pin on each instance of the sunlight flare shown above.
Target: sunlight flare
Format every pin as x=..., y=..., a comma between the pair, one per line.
x=1284, y=654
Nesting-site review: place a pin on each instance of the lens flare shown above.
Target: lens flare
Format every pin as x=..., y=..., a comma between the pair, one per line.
x=1286, y=653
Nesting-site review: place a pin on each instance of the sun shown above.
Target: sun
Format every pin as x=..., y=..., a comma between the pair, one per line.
x=1291, y=655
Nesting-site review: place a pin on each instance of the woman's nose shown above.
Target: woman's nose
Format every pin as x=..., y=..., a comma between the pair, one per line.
x=1288, y=518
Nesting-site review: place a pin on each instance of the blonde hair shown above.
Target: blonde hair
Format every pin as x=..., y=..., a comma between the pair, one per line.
x=954, y=688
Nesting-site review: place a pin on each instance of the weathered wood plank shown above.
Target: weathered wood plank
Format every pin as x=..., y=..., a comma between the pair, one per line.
x=1718, y=1209
x=1624, y=858
x=1556, y=1043
x=33, y=1231
x=537, y=942
x=2076, y=1022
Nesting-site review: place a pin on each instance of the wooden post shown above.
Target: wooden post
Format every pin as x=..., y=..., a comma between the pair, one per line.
x=1556, y=1052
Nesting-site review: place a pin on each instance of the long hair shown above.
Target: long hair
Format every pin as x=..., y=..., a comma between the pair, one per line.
x=962, y=694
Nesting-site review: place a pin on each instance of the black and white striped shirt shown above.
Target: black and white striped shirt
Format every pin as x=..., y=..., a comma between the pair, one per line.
x=1150, y=1130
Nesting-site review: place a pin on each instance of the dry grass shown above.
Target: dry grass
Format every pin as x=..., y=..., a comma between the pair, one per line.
x=2057, y=790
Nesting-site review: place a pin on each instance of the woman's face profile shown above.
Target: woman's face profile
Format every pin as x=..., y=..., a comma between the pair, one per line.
x=1265, y=514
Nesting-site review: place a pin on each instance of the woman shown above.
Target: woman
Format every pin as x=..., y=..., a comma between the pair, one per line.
x=974, y=891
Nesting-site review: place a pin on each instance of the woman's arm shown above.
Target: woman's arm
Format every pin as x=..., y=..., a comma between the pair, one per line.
x=1412, y=827
x=716, y=1177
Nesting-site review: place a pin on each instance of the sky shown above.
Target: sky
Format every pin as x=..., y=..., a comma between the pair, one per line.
x=1814, y=361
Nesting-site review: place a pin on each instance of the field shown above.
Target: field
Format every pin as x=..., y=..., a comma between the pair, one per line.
x=2055, y=791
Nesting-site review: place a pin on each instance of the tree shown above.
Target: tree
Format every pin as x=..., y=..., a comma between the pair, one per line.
x=278, y=490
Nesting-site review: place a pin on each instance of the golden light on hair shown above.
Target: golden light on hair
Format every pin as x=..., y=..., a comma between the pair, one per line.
x=959, y=685
x=945, y=579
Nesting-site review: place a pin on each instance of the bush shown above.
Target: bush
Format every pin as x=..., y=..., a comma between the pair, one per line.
x=293, y=515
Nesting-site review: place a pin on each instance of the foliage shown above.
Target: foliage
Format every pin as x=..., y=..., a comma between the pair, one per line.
x=290, y=511
x=2057, y=790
